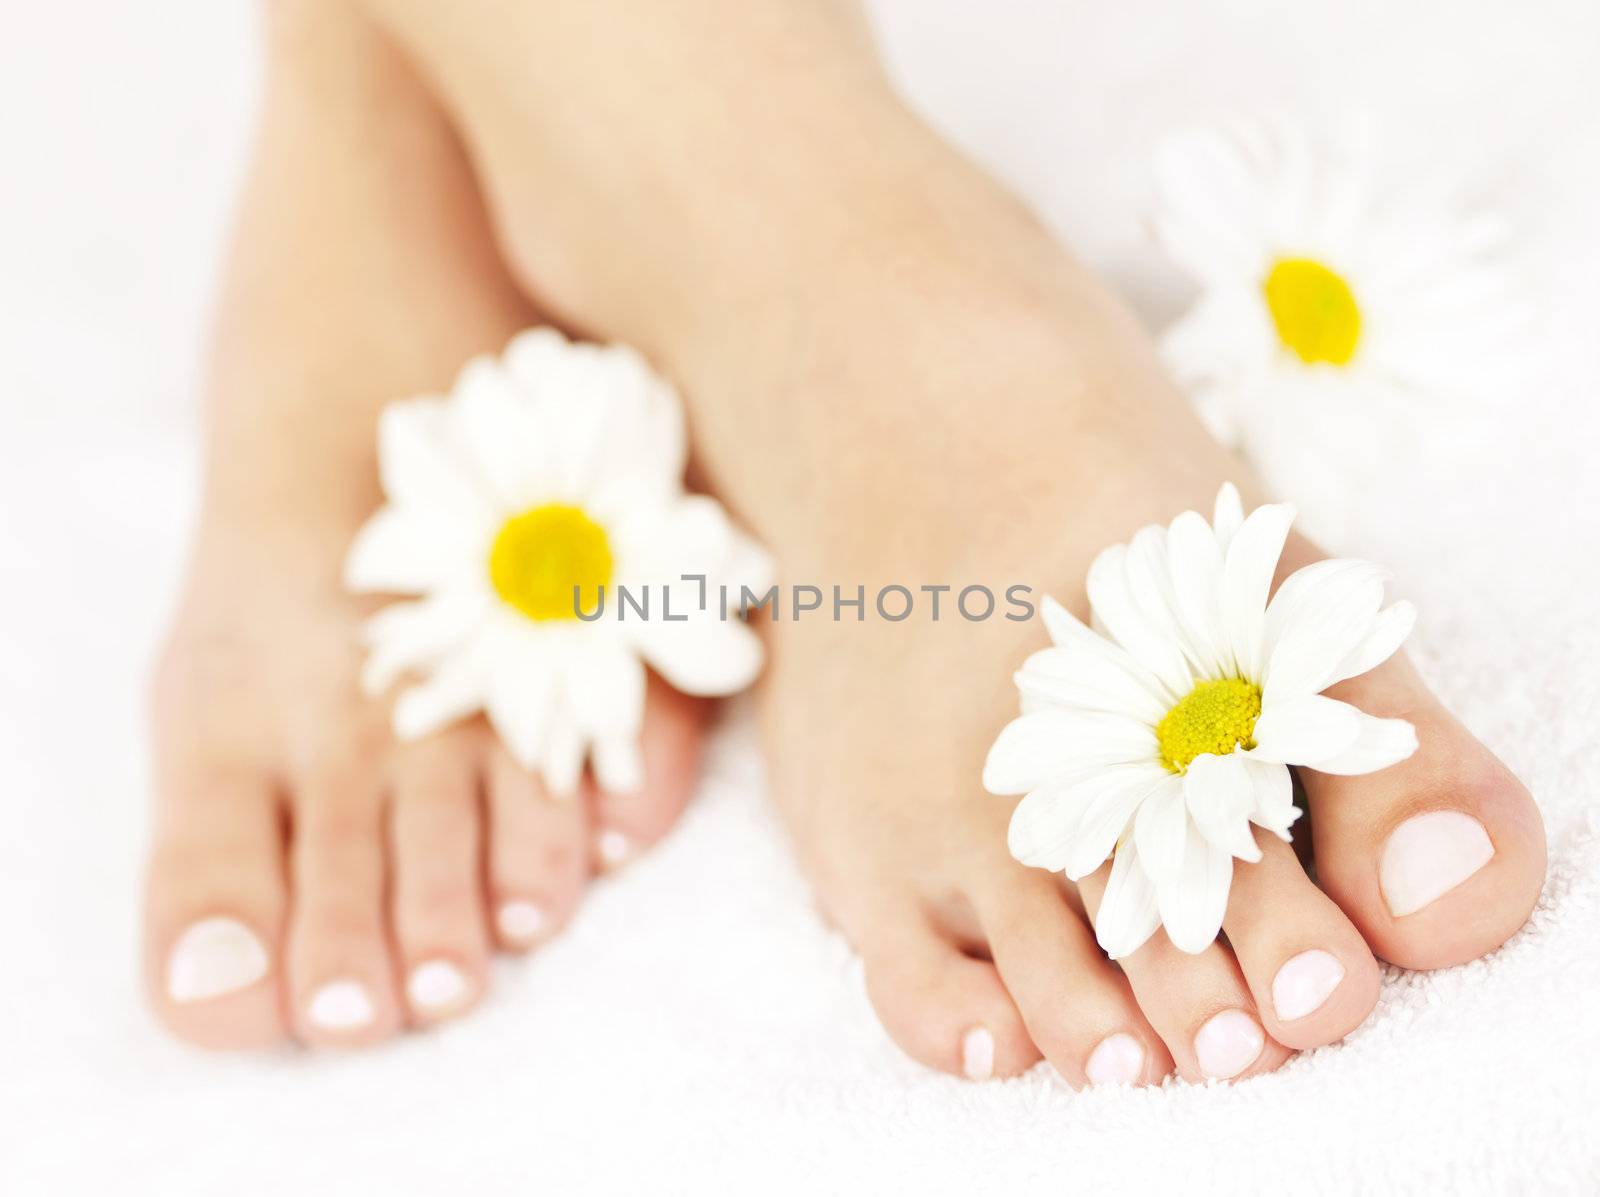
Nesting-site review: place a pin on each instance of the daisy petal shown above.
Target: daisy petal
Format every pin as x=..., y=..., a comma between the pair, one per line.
x=455, y=691
x=561, y=760
x=1117, y=606
x=1128, y=913
x=1274, y=807
x=500, y=427
x=402, y=550
x=1086, y=680
x=1070, y=633
x=1192, y=905
x=413, y=635
x=1106, y=819
x=1159, y=830
x=523, y=694
x=1381, y=743
x=619, y=765
x=1319, y=615
x=1196, y=564
x=1228, y=515
x=1306, y=728
x=1247, y=577
x=1220, y=797
x=1044, y=824
x=604, y=684
x=1389, y=629
x=1047, y=746
x=704, y=655
x=421, y=466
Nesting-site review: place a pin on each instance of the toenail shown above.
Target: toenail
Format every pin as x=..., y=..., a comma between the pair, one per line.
x=613, y=847
x=340, y=1006
x=1304, y=983
x=436, y=985
x=1428, y=856
x=213, y=957
x=1228, y=1044
x=520, y=922
x=1118, y=1060
x=977, y=1054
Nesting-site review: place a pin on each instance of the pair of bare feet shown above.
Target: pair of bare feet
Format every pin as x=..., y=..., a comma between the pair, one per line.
x=892, y=376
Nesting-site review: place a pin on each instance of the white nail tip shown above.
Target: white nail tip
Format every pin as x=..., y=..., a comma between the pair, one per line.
x=977, y=1054
x=436, y=985
x=1228, y=1044
x=1304, y=983
x=520, y=921
x=213, y=957
x=1428, y=856
x=1118, y=1060
x=341, y=1006
x=613, y=847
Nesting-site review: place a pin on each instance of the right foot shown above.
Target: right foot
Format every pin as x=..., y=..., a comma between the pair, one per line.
x=309, y=877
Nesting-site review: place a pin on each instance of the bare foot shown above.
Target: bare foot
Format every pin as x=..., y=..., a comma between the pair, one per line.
x=309, y=876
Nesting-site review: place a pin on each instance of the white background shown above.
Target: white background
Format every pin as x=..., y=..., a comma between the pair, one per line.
x=698, y=1029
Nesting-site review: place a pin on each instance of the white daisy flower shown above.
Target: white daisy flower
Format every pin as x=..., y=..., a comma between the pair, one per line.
x=1334, y=322
x=1160, y=737
x=548, y=482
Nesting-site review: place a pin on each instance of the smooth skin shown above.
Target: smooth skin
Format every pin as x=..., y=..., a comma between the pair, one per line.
x=893, y=374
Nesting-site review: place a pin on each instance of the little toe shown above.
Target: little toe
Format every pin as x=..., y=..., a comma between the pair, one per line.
x=341, y=977
x=1076, y=1004
x=1313, y=976
x=538, y=854
x=214, y=912
x=1200, y=1004
x=1437, y=859
x=944, y=1008
x=639, y=799
x=438, y=890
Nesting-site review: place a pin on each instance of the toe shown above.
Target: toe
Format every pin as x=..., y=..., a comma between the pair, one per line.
x=944, y=1008
x=214, y=912
x=437, y=887
x=1312, y=975
x=1438, y=859
x=341, y=977
x=538, y=854
x=1199, y=1004
x=1076, y=1004
x=636, y=805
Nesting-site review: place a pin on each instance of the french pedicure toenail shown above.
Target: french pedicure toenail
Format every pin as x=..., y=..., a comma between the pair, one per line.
x=1304, y=983
x=213, y=957
x=1228, y=1044
x=436, y=985
x=1428, y=856
x=1118, y=1060
x=340, y=1006
x=613, y=847
x=520, y=922
x=977, y=1054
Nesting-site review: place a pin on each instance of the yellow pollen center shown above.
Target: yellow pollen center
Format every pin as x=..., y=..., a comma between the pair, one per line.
x=540, y=556
x=1314, y=310
x=1214, y=717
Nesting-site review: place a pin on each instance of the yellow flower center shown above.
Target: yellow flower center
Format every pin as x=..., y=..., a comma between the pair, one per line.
x=1214, y=717
x=539, y=558
x=1314, y=310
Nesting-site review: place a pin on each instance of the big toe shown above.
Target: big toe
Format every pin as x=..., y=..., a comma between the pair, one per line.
x=1438, y=859
x=214, y=912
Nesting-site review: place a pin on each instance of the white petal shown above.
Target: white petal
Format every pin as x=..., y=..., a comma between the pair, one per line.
x=1088, y=680
x=704, y=655
x=1160, y=829
x=1044, y=824
x=1115, y=605
x=1247, y=577
x=1047, y=746
x=1381, y=743
x=1389, y=629
x=618, y=765
x=1105, y=821
x=415, y=635
x=1128, y=913
x=1228, y=515
x=1306, y=728
x=454, y=691
x=1192, y=905
x=1221, y=796
x=1319, y=615
x=500, y=427
x=603, y=683
x=1068, y=632
x=421, y=464
x=523, y=694
x=1274, y=796
x=561, y=759
x=1195, y=559
x=404, y=550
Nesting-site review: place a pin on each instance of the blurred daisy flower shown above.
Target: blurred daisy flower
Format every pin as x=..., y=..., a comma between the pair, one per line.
x=1334, y=323
x=1158, y=738
x=549, y=479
